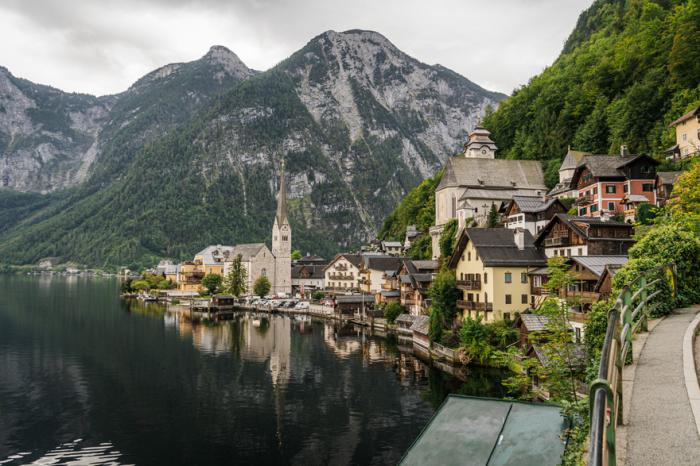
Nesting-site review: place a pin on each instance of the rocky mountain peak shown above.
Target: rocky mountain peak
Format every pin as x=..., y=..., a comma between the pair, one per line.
x=220, y=55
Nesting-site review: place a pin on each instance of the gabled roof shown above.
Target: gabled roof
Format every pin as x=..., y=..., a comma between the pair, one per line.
x=532, y=322
x=381, y=262
x=497, y=248
x=609, y=270
x=533, y=204
x=423, y=265
x=355, y=299
x=607, y=166
x=354, y=259
x=581, y=225
x=315, y=271
x=247, y=251
x=572, y=159
x=596, y=264
x=405, y=318
x=421, y=324
x=687, y=116
x=668, y=177
x=215, y=254
x=492, y=173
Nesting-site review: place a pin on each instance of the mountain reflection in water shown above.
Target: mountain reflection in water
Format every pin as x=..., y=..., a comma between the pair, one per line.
x=88, y=379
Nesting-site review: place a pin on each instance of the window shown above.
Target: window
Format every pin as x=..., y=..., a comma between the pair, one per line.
x=647, y=187
x=469, y=256
x=523, y=299
x=684, y=137
x=611, y=206
x=486, y=277
x=582, y=211
x=610, y=188
x=646, y=169
x=580, y=251
x=508, y=277
x=285, y=237
x=595, y=190
x=486, y=297
x=594, y=208
x=523, y=277
x=578, y=334
x=625, y=188
x=506, y=316
x=562, y=253
x=508, y=299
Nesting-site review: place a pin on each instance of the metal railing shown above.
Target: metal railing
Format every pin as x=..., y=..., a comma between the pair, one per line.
x=627, y=316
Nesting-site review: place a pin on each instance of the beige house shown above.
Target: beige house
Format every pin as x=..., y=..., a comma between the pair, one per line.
x=687, y=136
x=343, y=273
x=373, y=271
x=476, y=180
x=492, y=265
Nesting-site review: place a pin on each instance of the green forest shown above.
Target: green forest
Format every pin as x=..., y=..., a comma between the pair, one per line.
x=629, y=68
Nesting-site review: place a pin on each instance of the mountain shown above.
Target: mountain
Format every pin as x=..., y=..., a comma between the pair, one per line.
x=357, y=122
x=50, y=139
x=629, y=68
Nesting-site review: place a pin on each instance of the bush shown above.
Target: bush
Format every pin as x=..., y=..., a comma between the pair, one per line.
x=318, y=295
x=212, y=282
x=392, y=311
x=262, y=286
x=482, y=341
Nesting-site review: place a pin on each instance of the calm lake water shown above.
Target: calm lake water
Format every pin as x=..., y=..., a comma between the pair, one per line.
x=87, y=379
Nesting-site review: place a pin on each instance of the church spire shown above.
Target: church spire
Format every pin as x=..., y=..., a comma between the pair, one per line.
x=281, y=216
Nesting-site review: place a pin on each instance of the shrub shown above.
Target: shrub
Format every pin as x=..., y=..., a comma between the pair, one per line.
x=317, y=295
x=392, y=311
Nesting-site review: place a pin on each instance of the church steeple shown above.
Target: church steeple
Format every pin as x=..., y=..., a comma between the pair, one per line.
x=281, y=215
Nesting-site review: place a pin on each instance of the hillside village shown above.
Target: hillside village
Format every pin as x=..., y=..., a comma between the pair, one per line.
x=502, y=225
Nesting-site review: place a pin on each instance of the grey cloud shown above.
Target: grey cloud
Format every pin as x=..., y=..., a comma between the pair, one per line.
x=499, y=44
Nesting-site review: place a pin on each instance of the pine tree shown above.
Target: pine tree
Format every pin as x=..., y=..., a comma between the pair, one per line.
x=237, y=278
x=492, y=220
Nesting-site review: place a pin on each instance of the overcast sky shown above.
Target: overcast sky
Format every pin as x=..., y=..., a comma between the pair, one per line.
x=102, y=46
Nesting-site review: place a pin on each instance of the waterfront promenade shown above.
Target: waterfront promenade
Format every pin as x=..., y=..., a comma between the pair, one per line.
x=661, y=427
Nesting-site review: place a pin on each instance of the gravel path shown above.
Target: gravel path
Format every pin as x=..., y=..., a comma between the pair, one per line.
x=662, y=429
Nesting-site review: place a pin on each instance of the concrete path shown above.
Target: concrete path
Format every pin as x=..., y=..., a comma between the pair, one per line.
x=662, y=428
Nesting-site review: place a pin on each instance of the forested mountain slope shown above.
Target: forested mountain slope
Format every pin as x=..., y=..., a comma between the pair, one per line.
x=629, y=68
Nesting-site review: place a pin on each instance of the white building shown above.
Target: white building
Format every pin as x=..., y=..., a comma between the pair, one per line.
x=476, y=180
x=282, y=243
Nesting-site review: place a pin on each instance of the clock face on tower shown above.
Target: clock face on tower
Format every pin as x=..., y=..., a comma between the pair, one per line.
x=284, y=228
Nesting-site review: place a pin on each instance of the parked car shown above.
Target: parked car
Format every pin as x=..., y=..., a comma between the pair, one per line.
x=301, y=305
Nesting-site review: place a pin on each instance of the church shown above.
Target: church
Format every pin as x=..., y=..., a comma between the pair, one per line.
x=256, y=258
x=475, y=180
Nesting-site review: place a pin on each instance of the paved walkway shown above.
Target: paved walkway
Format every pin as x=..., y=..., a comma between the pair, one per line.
x=661, y=428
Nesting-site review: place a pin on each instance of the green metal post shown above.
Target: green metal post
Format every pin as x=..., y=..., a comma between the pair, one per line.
x=643, y=285
x=627, y=318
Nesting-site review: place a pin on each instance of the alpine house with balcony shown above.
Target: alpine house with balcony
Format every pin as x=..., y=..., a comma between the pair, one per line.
x=568, y=235
x=492, y=265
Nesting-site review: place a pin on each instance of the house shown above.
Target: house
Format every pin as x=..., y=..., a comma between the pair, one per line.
x=687, y=136
x=604, y=286
x=307, y=278
x=492, y=265
x=603, y=181
x=342, y=273
x=420, y=329
x=393, y=248
x=566, y=172
x=530, y=324
x=568, y=235
x=256, y=259
x=404, y=323
x=351, y=305
x=373, y=269
x=531, y=212
x=415, y=278
x=411, y=234
x=190, y=275
x=664, y=186
x=476, y=180
x=212, y=258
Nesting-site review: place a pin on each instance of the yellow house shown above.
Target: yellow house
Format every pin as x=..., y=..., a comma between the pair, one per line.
x=212, y=258
x=189, y=276
x=687, y=135
x=492, y=265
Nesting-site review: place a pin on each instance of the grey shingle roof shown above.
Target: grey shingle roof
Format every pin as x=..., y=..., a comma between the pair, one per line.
x=668, y=177
x=247, y=251
x=475, y=172
x=215, y=254
x=496, y=247
x=533, y=204
x=315, y=271
x=534, y=322
x=421, y=324
x=596, y=264
x=572, y=159
x=382, y=262
x=355, y=299
x=405, y=318
x=425, y=265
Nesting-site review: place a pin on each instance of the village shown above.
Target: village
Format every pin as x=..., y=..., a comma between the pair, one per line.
x=505, y=226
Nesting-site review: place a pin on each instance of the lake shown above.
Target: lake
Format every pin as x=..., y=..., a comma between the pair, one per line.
x=87, y=378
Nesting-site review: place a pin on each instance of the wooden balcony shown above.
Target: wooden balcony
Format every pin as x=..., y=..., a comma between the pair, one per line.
x=473, y=306
x=586, y=297
x=341, y=268
x=340, y=277
x=578, y=317
x=389, y=286
x=469, y=285
x=409, y=302
x=556, y=241
x=539, y=290
x=587, y=199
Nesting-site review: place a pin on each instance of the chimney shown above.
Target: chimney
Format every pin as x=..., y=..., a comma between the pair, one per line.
x=519, y=238
x=623, y=150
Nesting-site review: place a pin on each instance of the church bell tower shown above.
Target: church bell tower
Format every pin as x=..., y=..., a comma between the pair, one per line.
x=282, y=242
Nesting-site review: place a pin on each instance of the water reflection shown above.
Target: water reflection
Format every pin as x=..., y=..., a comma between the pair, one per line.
x=156, y=389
